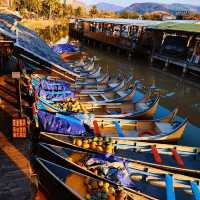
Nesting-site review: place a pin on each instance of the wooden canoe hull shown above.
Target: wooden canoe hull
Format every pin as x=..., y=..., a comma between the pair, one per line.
x=57, y=154
x=146, y=114
x=55, y=187
x=175, y=169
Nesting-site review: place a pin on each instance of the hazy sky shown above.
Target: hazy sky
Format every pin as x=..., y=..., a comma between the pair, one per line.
x=128, y=2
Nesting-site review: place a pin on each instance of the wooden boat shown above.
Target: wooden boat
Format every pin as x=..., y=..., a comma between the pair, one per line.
x=123, y=172
x=82, y=66
x=63, y=183
x=150, y=131
x=111, y=86
x=174, y=158
x=71, y=55
x=143, y=109
x=99, y=98
x=122, y=82
x=95, y=73
x=102, y=79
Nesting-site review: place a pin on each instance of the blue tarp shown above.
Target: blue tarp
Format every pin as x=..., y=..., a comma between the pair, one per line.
x=57, y=123
x=62, y=48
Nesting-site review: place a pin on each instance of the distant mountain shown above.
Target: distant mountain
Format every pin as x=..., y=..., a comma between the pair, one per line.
x=108, y=7
x=152, y=7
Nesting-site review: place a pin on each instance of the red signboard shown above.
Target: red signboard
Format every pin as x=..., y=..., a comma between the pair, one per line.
x=19, y=128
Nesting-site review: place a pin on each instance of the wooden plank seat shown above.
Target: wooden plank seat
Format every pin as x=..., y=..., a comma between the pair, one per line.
x=164, y=127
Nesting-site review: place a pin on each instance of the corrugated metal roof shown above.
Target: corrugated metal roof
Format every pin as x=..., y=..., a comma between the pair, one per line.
x=182, y=25
x=119, y=21
x=179, y=25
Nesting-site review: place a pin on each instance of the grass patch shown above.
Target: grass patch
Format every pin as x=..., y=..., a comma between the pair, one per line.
x=43, y=23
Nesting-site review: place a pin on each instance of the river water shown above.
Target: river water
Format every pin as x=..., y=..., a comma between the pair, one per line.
x=175, y=90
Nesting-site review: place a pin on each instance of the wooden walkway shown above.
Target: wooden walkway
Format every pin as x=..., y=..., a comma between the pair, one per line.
x=16, y=176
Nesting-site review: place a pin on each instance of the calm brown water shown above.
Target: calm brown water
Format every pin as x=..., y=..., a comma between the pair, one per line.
x=176, y=91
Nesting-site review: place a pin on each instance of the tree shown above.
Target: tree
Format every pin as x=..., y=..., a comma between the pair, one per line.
x=52, y=6
x=129, y=15
x=69, y=10
x=35, y=6
x=19, y=4
x=93, y=11
x=78, y=11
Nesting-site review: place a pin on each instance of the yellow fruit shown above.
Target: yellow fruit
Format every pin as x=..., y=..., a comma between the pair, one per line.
x=105, y=189
x=94, y=185
x=99, y=149
x=106, y=185
x=109, y=150
x=93, y=145
x=87, y=196
x=101, y=183
x=86, y=145
x=79, y=142
x=70, y=159
x=95, y=139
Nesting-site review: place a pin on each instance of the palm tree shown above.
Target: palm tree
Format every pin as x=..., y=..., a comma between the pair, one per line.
x=52, y=5
x=93, y=11
x=78, y=11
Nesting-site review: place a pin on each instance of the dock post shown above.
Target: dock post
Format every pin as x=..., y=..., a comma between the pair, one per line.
x=184, y=70
x=108, y=48
x=129, y=55
x=118, y=51
x=101, y=45
x=151, y=59
x=166, y=63
x=94, y=43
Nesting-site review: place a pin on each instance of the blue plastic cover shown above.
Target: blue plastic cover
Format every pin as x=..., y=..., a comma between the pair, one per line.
x=50, y=122
x=62, y=48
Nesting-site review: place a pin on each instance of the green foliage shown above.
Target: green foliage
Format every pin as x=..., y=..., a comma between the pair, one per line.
x=93, y=11
x=129, y=15
x=108, y=14
x=45, y=8
x=78, y=12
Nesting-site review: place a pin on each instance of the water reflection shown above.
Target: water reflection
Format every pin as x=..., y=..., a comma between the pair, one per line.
x=54, y=34
x=175, y=91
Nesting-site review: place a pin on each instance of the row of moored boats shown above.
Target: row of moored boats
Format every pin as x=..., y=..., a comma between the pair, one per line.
x=98, y=139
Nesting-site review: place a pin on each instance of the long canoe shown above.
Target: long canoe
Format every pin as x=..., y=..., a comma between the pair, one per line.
x=143, y=109
x=112, y=85
x=120, y=95
x=174, y=158
x=160, y=131
x=95, y=73
x=153, y=182
x=63, y=183
x=102, y=79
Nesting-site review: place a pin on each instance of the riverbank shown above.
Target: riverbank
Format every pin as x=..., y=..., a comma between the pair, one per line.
x=34, y=24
